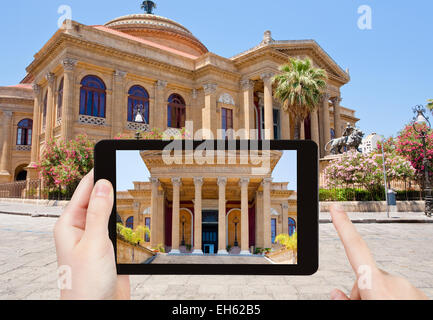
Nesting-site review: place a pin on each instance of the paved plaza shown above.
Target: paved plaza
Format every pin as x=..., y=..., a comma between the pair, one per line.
x=28, y=265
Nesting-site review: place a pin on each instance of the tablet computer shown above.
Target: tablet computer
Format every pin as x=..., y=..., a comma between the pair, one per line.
x=212, y=207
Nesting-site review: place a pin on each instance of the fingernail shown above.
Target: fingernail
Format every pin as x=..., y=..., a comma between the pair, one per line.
x=102, y=189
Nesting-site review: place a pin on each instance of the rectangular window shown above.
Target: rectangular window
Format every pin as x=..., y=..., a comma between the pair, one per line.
x=227, y=120
x=276, y=114
x=147, y=223
x=273, y=229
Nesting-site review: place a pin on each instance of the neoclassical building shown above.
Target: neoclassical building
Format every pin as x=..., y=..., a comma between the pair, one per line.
x=211, y=207
x=97, y=79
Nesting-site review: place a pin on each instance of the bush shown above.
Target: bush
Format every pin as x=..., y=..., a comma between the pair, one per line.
x=352, y=194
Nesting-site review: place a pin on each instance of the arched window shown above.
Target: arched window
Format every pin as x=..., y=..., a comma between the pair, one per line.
x=130, y=223
x=44, y=111
x=60, y=100
x=138, y=103
x=292, y=226
x=176, y=112
x=92, y=97
x=24, y=132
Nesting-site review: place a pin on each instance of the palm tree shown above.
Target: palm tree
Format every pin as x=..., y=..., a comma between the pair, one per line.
x=148, y=6
x=299, y=88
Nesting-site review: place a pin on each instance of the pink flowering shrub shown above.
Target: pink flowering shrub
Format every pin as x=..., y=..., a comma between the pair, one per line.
x=409, y=145
x=366, y=170
x=65, y=163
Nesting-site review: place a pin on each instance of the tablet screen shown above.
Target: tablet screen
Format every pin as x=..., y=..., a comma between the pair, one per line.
x=208, y=207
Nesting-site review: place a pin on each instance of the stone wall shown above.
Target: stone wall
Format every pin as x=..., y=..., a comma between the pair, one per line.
x=374, y=206
x=129, y=254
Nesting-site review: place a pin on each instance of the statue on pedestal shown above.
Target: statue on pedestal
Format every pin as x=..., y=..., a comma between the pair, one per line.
x=351, y=139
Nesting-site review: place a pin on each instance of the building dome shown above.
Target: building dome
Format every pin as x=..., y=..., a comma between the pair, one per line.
x=160, y=30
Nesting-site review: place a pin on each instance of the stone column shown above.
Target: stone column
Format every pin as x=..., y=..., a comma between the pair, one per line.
x=68, y=99
x=175, y=216
x=337, y=116
x=154, y=239
x=222, y=245
x=245, y=242
x=314, y=117
x=248, y=95
x=285, y=207
x=50, y=106
x=302, y=129
x=267, y=241
x=119, y=108
x=6, y=146
x=269, y=115
x=259, y=219
x=36, y=126
x=158, y=113
x=325, y=121
x=285, y=124
x=209, y=111
x=198, y=183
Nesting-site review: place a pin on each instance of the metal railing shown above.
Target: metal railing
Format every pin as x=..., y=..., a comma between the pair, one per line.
x=32, y=189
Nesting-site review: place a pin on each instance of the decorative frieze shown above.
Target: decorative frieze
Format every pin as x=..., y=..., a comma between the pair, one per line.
x=83, y=119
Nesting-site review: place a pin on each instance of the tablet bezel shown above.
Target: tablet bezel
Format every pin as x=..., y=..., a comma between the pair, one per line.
x=307, y=210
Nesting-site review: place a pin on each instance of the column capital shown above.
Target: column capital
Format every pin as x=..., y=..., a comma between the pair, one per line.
x=222, y=181
x=285, y=206
x=36, y=88
x=194, y=93
x=154, y=181
x=336, y=100
x=7, y=114
x=119, y=74
x=244, y=182
x=210, y=88
x=267, y=76
x=161, y=84
x=325, y=97
x=50, y=78
x=198, y=181
x=176, y=181
x=69, y=64
x=267, y=181
x=247, y=84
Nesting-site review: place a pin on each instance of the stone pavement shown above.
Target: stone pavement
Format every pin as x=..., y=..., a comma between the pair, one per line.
x=28, y=266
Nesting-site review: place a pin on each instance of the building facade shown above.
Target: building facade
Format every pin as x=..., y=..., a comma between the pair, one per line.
x=95, y=80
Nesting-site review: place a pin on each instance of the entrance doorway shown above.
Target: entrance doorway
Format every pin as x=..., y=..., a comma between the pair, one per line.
x=210, y=232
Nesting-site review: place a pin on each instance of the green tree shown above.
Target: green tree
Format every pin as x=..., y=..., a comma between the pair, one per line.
x=430, y=104
x=299, y=88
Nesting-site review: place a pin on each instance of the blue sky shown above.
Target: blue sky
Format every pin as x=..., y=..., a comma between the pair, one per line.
x=390, y=65
x=131, y=168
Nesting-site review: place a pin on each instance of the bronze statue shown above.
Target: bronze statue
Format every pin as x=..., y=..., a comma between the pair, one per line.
x=352, y=138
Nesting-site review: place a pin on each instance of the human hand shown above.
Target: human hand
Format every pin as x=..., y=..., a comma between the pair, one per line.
x=371, y=282
x=83, y=244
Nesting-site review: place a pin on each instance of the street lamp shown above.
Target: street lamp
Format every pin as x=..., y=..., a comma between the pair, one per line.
x=236, y=222
x=183, y=231
x=424, y=126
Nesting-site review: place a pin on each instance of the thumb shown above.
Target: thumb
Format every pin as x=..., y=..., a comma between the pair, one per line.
x=99, y=210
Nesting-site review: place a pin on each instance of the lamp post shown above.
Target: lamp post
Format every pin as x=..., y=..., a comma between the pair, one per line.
x=384, y=176
x=424, y=126
x=183, y=231
x=236, y=222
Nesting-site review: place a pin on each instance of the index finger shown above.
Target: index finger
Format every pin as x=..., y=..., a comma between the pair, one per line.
x=356, y=249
